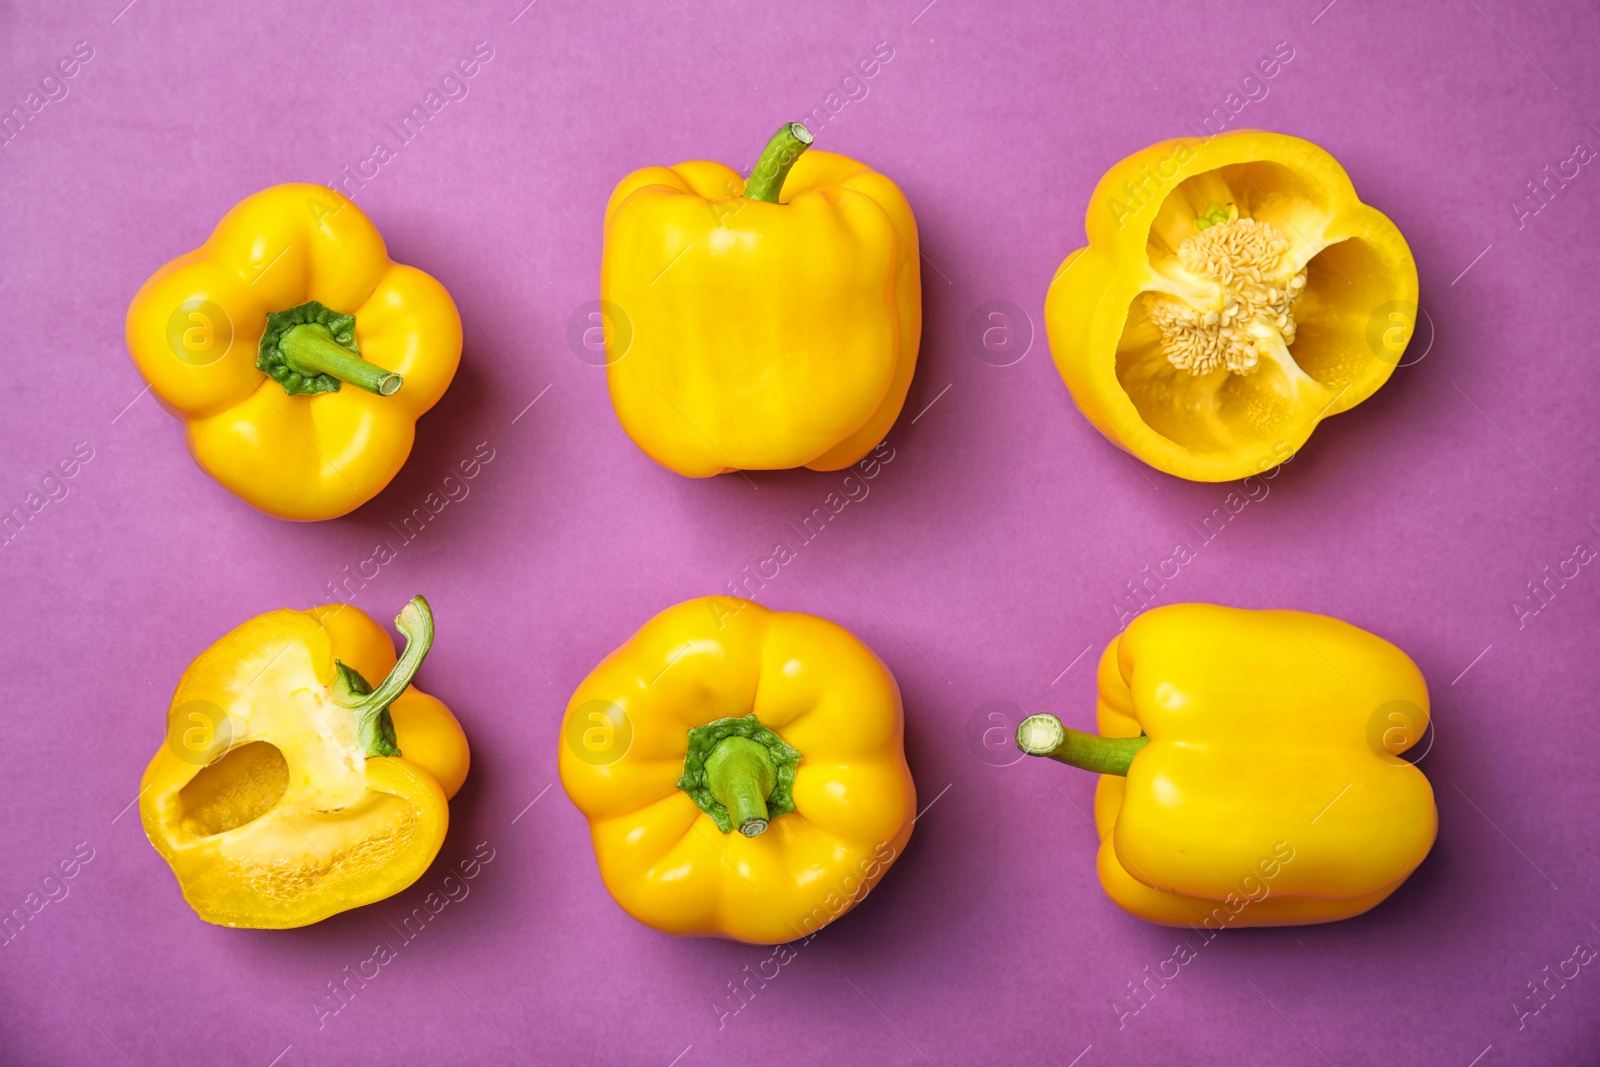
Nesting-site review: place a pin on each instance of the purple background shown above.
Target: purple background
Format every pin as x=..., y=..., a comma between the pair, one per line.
x=985, y=560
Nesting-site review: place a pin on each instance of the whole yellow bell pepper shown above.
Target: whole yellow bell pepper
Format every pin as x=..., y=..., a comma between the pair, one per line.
x=289, y=789
x=297, y=354
x=721, y=716
x=1234, y=293
x=758, y=331
x=1250, y=767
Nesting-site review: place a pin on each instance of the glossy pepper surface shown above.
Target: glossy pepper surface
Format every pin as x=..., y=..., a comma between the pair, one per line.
x=1234, y=293
x=741, y=769
x=297, y=354
x=764, y=326
x=289, y=789
x=1250, y=767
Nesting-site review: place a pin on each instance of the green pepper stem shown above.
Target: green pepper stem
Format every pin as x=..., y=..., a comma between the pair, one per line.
x=370, y=705
x=309, y=349
x=1044, y=735
x=741, y=774
x=766, y=177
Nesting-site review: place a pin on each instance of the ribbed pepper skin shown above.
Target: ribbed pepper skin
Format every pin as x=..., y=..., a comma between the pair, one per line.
x=1357, y=315
x=760, y=336
x=260, y=801
x=1270, y=793
x=665, y=860
x=302, y=457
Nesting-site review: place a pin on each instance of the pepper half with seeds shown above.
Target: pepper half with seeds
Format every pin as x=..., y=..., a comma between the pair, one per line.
x=1234, y=293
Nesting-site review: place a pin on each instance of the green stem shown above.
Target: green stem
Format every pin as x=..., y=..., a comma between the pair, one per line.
x=309, y=349
x=1044, y=735
x=740, y=774
x=374, y=729
x=766, y=178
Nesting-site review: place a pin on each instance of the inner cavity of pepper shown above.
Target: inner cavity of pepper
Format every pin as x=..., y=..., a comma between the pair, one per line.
x=239, y=788
x=1248, y=288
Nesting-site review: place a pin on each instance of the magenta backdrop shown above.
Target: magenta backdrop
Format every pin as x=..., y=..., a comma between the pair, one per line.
x=984, y=564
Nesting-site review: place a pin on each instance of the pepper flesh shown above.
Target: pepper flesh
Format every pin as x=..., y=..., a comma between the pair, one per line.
x=195, y=328
x=756, y=335
x=1269, y=791
x=1234, y=293
x=262, y=800
x=664, y=858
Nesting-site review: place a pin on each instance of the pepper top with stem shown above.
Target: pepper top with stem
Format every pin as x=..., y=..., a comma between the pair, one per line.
x=740, y=773
x=1044, y=735
x=311, y=348
x=767, y=176
x=374, y=727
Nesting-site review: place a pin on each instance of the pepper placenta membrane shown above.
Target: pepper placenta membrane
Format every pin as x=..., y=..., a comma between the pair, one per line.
x=1234, y=293
x=297, y=354
x=742, y=771
x=1250, y=767
x=765, y=326
x=303, y=774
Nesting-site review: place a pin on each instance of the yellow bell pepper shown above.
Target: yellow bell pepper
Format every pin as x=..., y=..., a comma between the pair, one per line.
x=1250, y=767
x=721, y=716
x=753, y=331
x=255, y=338
x=1234, y=293
x=289, y=789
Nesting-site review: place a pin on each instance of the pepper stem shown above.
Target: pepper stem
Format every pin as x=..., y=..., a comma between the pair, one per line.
x=1044, y=735
x=309, y=349
x=374, y=729
x=766, y=177
x=740, y=774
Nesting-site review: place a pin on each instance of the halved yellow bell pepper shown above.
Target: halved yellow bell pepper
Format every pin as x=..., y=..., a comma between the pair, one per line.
x=1234, y=293
x=289, y=789
x=1250, y=767
x=758, y=331
x=297, y=354
x=721, y=716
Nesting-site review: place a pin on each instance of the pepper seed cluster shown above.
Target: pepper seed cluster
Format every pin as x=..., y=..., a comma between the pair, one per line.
x=1244, y=257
